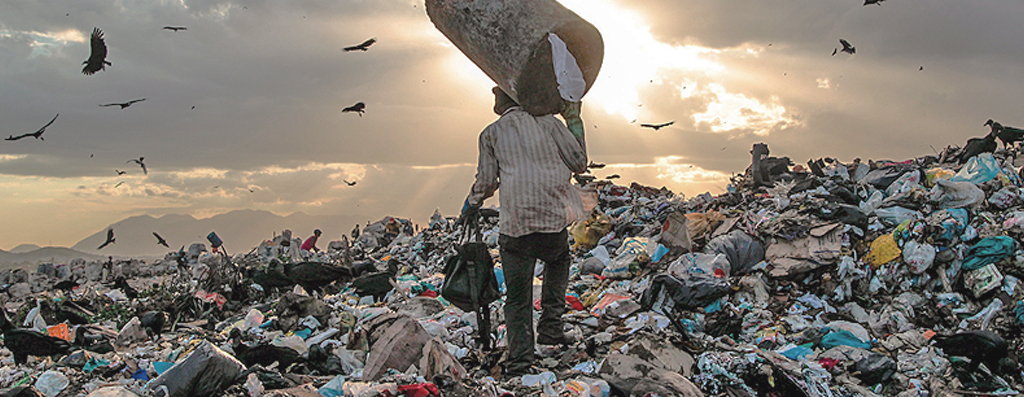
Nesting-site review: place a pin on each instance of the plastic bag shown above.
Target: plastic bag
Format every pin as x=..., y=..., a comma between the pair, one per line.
x=919, y=257
x=742, y=250
x=978, y=169
x=588, y=232
x=883, y=250
x=700, y=263
x=1005, y=198
x=951, y=194
x=897, y=215
x=206, y=372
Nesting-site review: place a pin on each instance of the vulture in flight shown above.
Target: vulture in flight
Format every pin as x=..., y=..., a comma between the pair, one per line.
x=124, y=104
x=657, y=126
x=160, y=240
x=359, y=107
x=353, y=183
x=38, y=134
x=847, y=48
x=140, y=163
x=110, y=239
x=869, y=2
x=175, y=28
x=98, y=57
x=119, y=172
x=361, y=46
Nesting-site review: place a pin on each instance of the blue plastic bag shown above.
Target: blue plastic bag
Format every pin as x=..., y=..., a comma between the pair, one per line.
x=978, y=169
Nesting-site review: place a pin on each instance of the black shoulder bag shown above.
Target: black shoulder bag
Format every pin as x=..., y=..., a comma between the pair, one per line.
x=469, y=281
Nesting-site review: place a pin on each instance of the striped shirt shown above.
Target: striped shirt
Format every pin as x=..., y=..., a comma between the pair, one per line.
x=523, y=153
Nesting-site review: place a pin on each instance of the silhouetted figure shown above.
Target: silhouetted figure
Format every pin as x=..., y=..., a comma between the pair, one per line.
x=160, y=240
x=355, y=232
x=124, y=104
x=98, y=56
x=359, y=107
x=361, y=46
x=38, y=134
x=25, y=342
x=657, y=126
x=175, y=28
x=847, y=48
x=140, y=163
x=110, y=239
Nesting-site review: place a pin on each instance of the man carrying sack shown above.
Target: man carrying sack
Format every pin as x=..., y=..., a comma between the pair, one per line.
x=533, y=158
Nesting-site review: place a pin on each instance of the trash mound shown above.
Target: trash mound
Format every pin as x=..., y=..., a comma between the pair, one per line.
x=875, y=278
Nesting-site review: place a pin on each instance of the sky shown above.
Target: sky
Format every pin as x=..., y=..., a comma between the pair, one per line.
x=243, y=109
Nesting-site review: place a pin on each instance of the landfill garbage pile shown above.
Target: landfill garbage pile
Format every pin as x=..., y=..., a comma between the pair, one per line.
x=831, y=279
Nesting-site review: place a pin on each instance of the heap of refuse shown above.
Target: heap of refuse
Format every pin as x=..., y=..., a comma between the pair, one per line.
x=874, y=278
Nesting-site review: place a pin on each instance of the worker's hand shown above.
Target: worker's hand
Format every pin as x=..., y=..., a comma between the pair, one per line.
x=469, y=213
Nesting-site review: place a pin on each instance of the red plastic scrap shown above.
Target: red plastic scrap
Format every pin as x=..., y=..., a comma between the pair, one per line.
x=419, y=390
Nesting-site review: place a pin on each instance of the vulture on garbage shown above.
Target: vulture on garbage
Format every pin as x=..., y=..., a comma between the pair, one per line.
x=38, y=134
x=1006, y=135
x=25, y=342
x=110, y=239
x=979, y=346
x=359, y=107
x=123, y=104
x=154, y=321
x=976, y=146
x=98, y=56
x=315, y=275
x=264, y=355
x=361, y=46
x=121, y=283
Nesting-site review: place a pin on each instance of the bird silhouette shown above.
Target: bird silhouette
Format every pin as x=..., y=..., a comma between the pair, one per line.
x=140, y=163
x=835, y=51
x=1006, y=135
x=124, y=104
x=657, y=126
x=979, y=346
x=847, y=48
x=119, y=172
x=160, y=240
x=976, y=146
x=25, y=342
x=869, y=2
x=359, y=107
x=264, y=355
x=98, y=56
x=38, y=134
x=613, y=176
x=175, y=28
x=118, y=184
x=110, y=239
x=154, y=321
x=361, y=46
x=595, y=166
x=353, y=183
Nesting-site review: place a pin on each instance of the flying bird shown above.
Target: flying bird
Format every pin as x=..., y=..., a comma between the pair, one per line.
x=160, y=240
x=175, y=28
x=835, y=51
x=613, y=176
x=38, y=134
x=869, y=2
x=140, y=163
x=353, y=183
x=359, y=107
x=657, y=126
x=110, y=239
x=119, y=172
x=98, y=56
x=118, y=184
x=847, y=48
x=361, y=46
x=124, y=104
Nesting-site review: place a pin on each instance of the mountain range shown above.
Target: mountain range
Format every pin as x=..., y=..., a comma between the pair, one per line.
x=240, y=230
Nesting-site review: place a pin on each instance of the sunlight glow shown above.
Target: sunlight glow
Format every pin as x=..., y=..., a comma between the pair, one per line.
x=731, y=111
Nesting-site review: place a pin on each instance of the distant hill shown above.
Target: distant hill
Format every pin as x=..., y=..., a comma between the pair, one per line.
x=241, y=231
x=23, y=248
x=29, y=259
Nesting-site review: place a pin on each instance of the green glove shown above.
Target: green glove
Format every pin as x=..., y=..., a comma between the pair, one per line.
x=571, y=114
